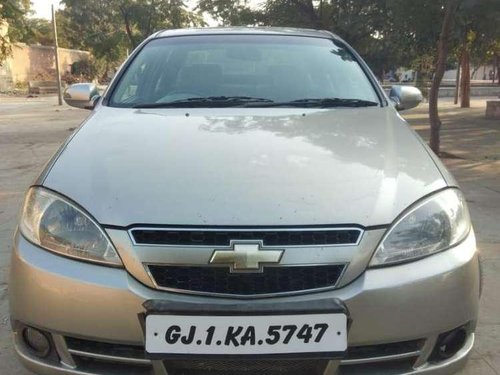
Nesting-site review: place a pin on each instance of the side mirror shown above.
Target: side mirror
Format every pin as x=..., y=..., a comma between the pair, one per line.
x=405, y=97
x=82, y=95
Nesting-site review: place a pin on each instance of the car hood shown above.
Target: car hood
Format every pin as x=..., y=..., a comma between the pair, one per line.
x=234, y=166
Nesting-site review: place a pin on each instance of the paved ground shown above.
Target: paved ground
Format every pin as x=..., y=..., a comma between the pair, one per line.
x=32, y=129
x=474, y=145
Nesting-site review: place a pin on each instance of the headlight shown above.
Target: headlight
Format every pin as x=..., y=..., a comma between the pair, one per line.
x=54, y=223
x=433, y=225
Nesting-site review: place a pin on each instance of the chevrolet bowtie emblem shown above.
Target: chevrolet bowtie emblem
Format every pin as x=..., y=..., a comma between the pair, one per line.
x=246, y=256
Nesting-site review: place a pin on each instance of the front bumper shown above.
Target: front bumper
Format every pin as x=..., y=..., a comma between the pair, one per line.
x=406, y=303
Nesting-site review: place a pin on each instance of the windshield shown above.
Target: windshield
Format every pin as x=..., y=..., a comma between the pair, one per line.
x=243, y=70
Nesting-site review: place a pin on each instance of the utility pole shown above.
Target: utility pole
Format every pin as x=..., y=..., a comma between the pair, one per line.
x=56, y=51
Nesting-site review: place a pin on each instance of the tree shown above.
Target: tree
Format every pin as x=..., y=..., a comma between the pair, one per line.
x=109, y=29
x=464, y=84
x=450, y=9
x=494, y=53
x=296, y=13
x=12, y=18
x=362, y=23
x=228, y=12
x=477, y=31
x=387, y=33
x=141, y=18
x=96, y=26
x=414, y=32
x=38, y=31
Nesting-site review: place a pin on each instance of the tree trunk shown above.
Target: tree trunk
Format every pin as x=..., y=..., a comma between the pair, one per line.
x=149, y=28
x=498, y=69
x=104, y=76
x=465, y=81
x=495, y=59
x=450, y=9
x=474, y=71
x=128, y=28
x=457, y=81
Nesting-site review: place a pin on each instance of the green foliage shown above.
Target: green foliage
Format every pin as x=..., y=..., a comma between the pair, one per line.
x=93, y=25
x=478, y=30
x=100, y=25
x=110, y=29
x=388, y=33
x=12, y=13
x=142, y=18
x=84, y=68
x=367, y=26
x=415, y=30
x=38, y=31
x=82, y=71
x=228, y=12
x=363, y=23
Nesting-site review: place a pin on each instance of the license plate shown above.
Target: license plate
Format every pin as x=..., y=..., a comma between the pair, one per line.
x=323, y=334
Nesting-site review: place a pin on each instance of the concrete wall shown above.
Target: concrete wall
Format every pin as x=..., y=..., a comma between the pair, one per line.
x=481, y=73
x=449, y=92
x=28, y=63
x=446, y=92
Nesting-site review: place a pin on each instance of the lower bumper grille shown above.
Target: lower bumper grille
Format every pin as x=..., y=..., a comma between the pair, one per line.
x=220, y=280
x=384, y=350
x=105, y=349
x=105, y=367
x=107, y=358
x=261, y=367
x=389, y=367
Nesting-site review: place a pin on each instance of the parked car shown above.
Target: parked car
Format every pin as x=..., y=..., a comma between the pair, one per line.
x=243, y=201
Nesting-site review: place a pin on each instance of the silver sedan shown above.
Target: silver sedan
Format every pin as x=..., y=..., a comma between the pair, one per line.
x=244, y=201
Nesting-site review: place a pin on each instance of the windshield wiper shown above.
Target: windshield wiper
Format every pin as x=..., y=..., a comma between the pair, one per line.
x=208, y=101
x=323, y=103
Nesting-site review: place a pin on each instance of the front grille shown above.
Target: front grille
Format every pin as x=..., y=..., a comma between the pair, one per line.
x=221, y=237
x=232, y=367
x=208, y=279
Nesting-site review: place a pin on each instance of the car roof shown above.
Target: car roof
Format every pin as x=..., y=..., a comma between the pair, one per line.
x=245, y=31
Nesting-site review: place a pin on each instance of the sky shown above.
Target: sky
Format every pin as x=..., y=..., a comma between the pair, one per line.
x=41, y=8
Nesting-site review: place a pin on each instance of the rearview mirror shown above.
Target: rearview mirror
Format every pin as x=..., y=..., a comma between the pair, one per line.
x=405, y=97
x=82, y=95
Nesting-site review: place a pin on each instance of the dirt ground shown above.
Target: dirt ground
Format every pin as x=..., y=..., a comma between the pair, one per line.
x=32, y=129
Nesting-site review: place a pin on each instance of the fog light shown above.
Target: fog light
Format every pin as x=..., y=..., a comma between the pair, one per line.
x=37, y=341
x=448, y=344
